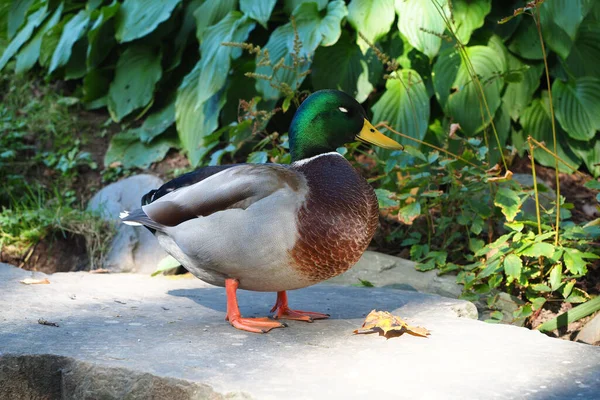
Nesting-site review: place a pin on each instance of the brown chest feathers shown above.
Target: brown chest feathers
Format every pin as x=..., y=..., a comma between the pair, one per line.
x=337, y=221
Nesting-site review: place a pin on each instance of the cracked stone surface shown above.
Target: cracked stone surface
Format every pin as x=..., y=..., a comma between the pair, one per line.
x=132, y=335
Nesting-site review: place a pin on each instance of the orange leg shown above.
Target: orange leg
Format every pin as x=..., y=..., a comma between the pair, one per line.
x=284, y=312
x=256, y=325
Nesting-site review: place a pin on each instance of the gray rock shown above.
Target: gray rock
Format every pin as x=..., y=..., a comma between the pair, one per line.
x=546, y=194
x=131, y=334
x=134, y=249
x=591, y=331
x=383, y=270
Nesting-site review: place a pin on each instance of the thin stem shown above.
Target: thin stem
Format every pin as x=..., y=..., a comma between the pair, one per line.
x=536, y=18
x=535, y=188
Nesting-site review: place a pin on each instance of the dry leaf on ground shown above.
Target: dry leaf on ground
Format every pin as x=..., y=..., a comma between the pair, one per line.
x=389, y=325
x=30, y=281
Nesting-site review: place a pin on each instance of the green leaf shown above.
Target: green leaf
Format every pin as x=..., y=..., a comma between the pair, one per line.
x=575, y=261
x=540, y=287
x=590, y=154
x=16, y=15
x=216, y=58
x=526, y=42
x=138, y=18
x=560, y=20
x=290, y=5
x=409, y=213
x=157, y=122
x=577, y=107
x=509, y=202
x=513, y=266
x=458, y=93
x=517, y=96
x=538, y=303
x=50, y=41
x=29, y=54
x=33, y=21
x=166, y=264
x=257, y=157
x=72, y=31
x=405, y=105
x=421, y=23
x=196, y=121
x=372, y=18
x=574, y=314
x=584, y=58
x=210, y=13
x=469, y=15
x=126, y=148
x=260, y=11
x=347, y=57
x=577, y=296
x=101, y=35
x=385, y=198
x=313, y=30
x=556, y=277
x=539, y=250
x=138, y=70
x=536, y=122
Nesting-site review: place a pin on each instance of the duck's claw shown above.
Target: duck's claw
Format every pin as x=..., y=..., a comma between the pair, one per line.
x=282, y=311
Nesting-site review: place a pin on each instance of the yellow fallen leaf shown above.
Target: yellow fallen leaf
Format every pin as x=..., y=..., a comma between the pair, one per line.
x=30, y=281
x=389, y=325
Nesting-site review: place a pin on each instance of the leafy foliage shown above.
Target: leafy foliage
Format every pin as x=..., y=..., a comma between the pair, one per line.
x=445, y=73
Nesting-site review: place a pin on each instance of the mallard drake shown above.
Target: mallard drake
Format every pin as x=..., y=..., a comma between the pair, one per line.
x=272, y=227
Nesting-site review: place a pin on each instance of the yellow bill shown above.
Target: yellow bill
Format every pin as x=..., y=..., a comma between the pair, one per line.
x=369, y=134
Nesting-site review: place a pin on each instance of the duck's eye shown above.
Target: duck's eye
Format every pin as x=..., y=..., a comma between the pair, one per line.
x=344, y=110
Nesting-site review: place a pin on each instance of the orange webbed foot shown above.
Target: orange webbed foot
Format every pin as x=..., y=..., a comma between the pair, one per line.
x=284, y=312
x=254, y=325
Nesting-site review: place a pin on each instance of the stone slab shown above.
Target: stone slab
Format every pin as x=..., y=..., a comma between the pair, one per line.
x=384, y=270
x=175, y=329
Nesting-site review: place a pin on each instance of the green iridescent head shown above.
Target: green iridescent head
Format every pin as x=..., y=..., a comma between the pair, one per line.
x=328, y=119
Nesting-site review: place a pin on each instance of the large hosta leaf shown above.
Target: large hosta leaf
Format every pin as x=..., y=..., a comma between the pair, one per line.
x=578, y=106
x=72, y=31
x=519, y=91
x=216, y=58
x=560, y=21
x=16, y=15
x=590, y=154
x=137, y=72
x=260, y=11
x=126, y=149
x=405, y=105
x=210, y=13
x=526, y=41
x=137, y=18
x=346, y=55
x=469, y=15
x=313, y=30
x=290, y=5
x=33, y=21
x=584, y=58
x=101, y=35
x=196, y=121
x=422, y=24
x=372, y=18
x=536, y=122
x=459, y=94
x=30, y=53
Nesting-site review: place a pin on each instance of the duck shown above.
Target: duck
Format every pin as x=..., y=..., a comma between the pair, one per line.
x=274, y=227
